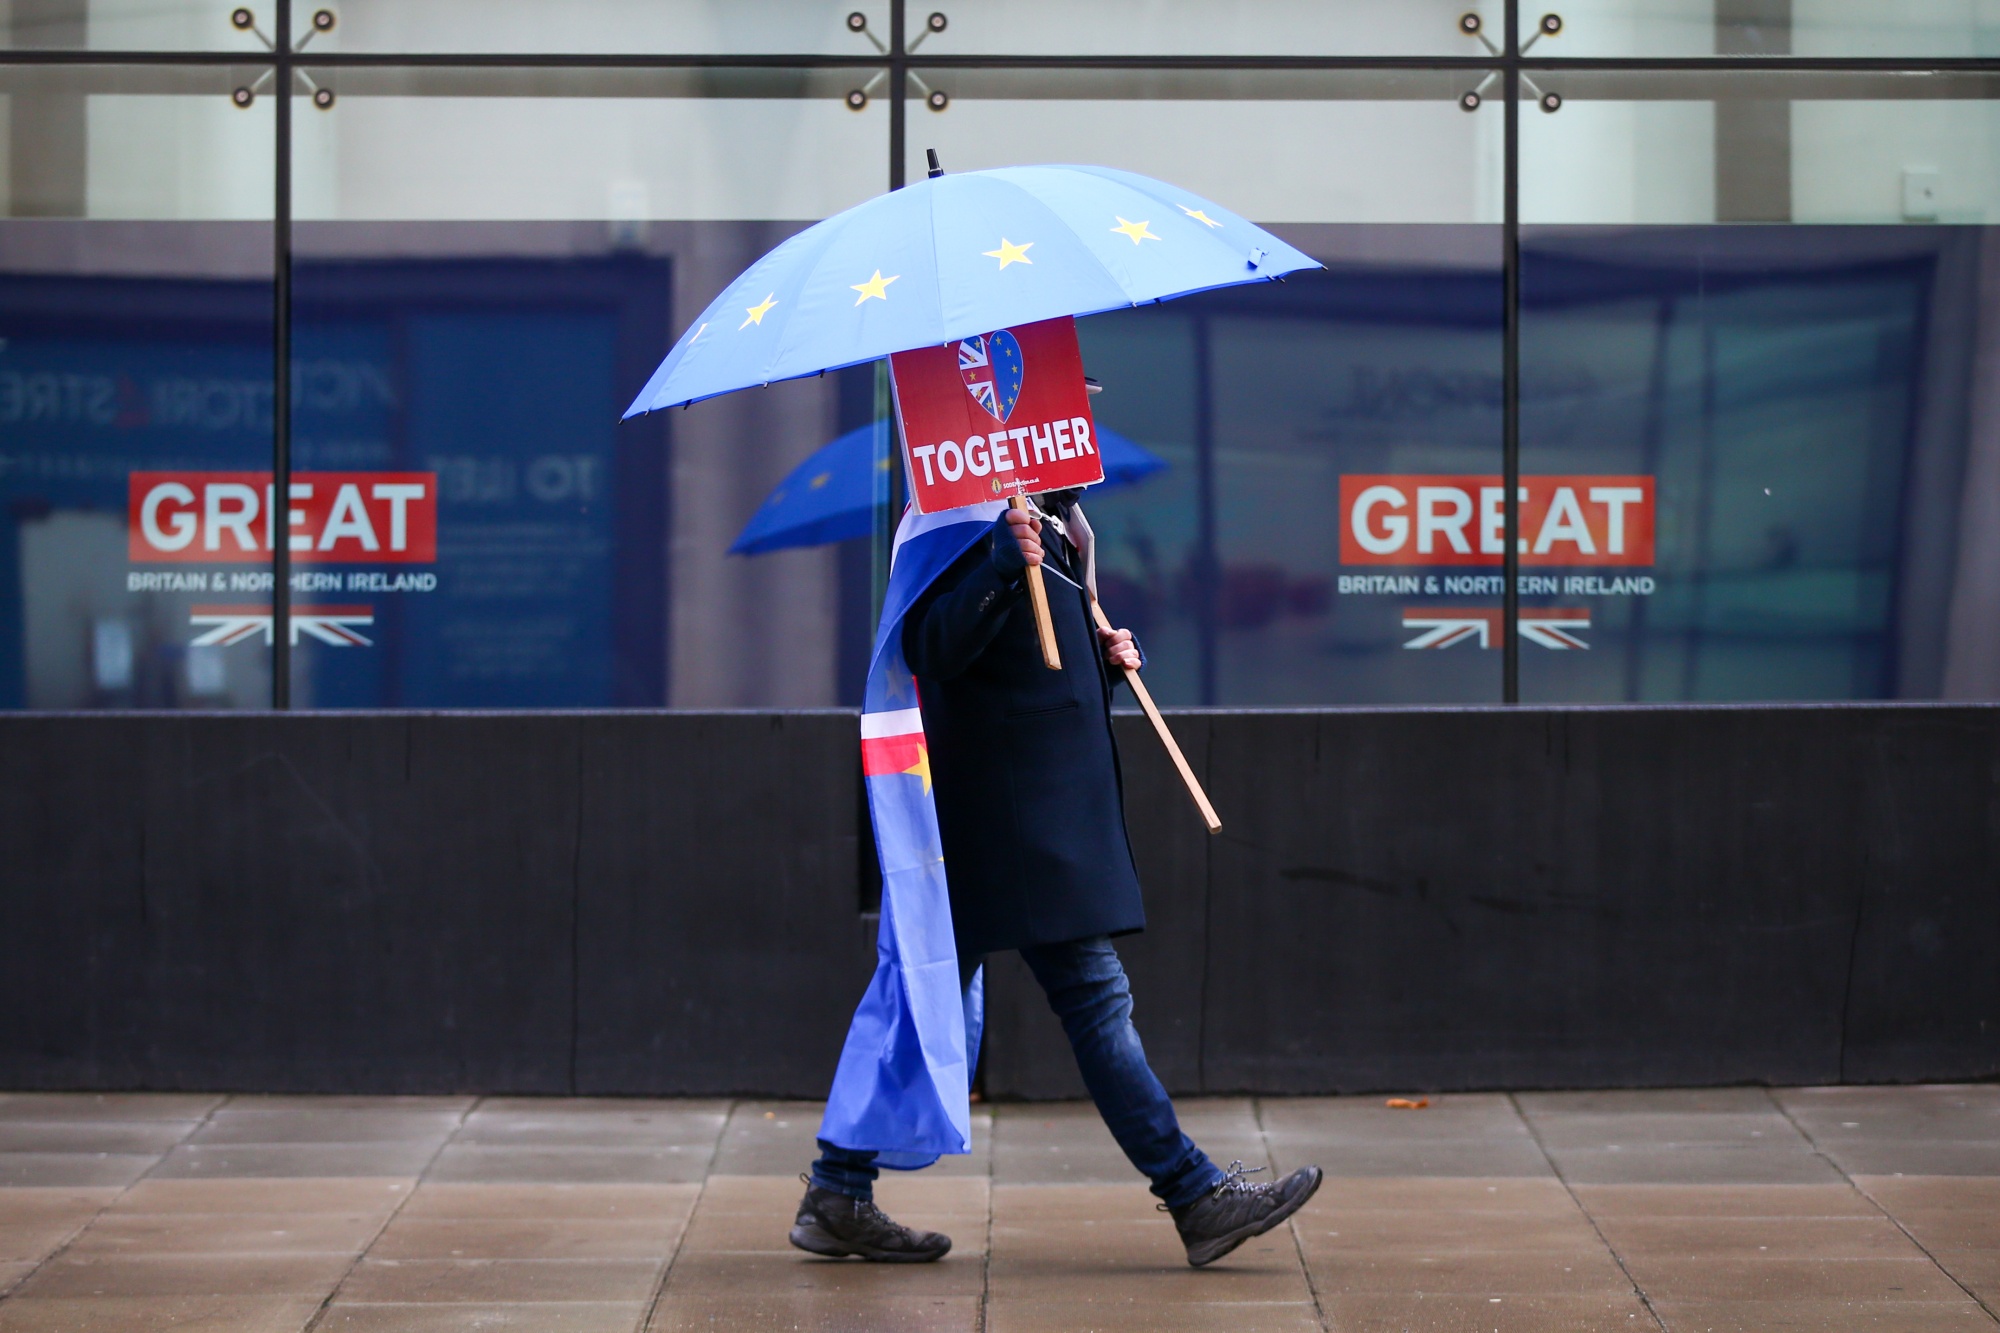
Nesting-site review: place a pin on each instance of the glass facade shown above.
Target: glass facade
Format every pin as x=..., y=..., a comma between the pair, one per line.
x=1718, y=292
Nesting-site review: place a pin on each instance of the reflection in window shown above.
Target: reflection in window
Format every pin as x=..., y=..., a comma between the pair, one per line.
x=1800, y=400
x=1266, y=400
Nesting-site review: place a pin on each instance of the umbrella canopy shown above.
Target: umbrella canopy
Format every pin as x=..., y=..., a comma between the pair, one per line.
x=958, y=255
x=831, y=496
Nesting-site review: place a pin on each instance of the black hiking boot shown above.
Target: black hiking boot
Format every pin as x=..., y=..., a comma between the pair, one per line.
x=1235, y=1210
x=836, y=1226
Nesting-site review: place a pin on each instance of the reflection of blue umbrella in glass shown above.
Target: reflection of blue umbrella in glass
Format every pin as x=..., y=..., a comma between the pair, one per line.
x=831, y=496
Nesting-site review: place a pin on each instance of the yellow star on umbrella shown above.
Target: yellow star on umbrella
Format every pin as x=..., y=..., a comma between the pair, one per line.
x=757, y=312
x=1199, y=216
x=1010, y=253
x=877, y=287
x=1136, y=230
x=922, y=768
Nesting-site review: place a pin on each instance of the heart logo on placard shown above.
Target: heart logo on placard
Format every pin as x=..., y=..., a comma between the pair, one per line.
x=992, y=367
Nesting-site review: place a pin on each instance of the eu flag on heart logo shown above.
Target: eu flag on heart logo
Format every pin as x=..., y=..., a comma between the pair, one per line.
x=992, y=368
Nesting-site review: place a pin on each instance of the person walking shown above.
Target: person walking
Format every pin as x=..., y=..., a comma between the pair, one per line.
x=1030, y=812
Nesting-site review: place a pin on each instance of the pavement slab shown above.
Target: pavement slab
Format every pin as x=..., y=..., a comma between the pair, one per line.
x=1683, y=1209
x=82, y=1107
x=157, y=1314
x=1476, y=1135
x=125, y=1233
x=613, y=1202
x=519, y=1317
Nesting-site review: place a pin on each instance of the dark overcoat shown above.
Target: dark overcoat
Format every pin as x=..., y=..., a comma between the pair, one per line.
x=1024, y=769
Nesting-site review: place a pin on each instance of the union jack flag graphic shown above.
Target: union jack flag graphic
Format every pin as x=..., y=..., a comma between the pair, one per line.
x=993, y=370
x=1443, y=627
x=329, y=624
x=978, y=372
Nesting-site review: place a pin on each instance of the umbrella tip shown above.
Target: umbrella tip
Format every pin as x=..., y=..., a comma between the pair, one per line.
x=936, y=170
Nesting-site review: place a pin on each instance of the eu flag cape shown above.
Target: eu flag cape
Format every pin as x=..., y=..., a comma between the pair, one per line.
x=902, y=1086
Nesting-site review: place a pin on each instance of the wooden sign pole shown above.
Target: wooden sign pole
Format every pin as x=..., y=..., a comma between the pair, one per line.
x=1208, y=815
x=1038, y=594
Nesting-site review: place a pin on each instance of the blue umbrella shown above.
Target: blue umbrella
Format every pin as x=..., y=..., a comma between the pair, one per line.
x=831, y=496
x=957, y=255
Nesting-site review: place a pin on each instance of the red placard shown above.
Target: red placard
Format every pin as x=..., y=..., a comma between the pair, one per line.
x=998, y=414
x=1457, y=520
x=336, y=518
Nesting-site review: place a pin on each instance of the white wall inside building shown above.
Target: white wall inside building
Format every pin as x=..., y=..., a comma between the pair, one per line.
x=813, y=27
x=1895, y=27
x=1219, y=27
x=457, y=158
x=179, y=158
x=1865, y=161
x=1326, y=161
x=1658, y=28
x=1618, y=163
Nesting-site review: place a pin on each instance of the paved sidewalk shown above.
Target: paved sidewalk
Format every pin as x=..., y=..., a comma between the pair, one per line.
x=1733, y=1209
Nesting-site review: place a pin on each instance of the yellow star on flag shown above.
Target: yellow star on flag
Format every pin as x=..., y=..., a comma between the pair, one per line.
x=1199, y=216
x=757, y=312
x=1136, y=230
x=877, y=287
x=1010, y=253
x=922, y=768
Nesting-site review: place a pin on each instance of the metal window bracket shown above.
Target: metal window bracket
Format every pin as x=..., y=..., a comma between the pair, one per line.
x=1470, y=24
x=857, y=98
x=244, y=20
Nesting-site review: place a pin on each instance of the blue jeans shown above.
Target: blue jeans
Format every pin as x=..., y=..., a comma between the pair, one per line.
x=1087, y=989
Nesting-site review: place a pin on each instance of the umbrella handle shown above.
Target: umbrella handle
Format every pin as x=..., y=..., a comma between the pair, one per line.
x=1038, y=594
x=1208, y=815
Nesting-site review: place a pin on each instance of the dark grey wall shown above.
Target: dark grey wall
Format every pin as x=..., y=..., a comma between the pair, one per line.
x=668, y=903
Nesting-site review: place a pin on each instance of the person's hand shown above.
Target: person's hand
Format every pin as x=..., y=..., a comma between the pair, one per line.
x=1119, y=650
x=1025, y=527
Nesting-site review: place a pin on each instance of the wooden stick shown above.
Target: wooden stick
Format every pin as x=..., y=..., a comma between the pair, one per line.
x=1208, y=815
x=1038, y=594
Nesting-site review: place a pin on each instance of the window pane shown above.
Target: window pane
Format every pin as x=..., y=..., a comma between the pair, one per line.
x=1783, y=423
x=500, y=259
x=135, y=389
x=132, y=25
x=1245, y=28
x=1268, y=402
x=1833, y=28
x=618, y=27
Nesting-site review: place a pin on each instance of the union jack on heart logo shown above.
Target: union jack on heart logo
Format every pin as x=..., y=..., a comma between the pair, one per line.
x=1444, y=627
x=992, y=368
